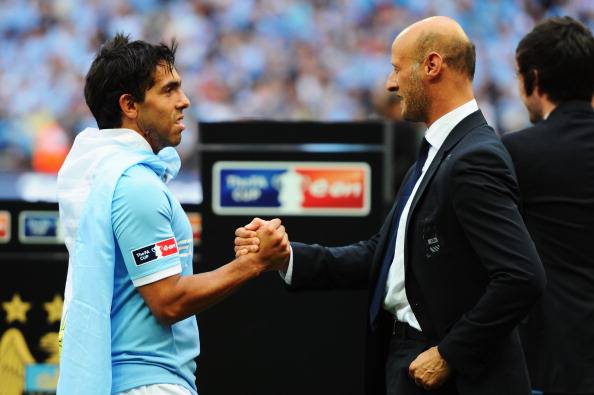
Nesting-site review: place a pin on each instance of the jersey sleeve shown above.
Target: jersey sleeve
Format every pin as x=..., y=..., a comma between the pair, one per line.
x=141, y=220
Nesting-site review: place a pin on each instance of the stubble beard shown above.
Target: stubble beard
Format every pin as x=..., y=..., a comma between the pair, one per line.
x=534, y=114
x=157, y=141
x=534, y=108
x=151, y=136
x=415, y=105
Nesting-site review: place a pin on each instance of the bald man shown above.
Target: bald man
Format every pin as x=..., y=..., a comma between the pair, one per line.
x=453, y=269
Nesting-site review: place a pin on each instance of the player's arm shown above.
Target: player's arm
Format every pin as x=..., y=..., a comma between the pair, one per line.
x=142, y=217
x=175, y=298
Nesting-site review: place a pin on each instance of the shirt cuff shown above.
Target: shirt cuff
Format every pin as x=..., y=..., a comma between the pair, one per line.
x=288, y=274
x=160, y=275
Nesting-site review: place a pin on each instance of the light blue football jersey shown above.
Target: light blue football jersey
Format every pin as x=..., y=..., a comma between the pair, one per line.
x=153, y=241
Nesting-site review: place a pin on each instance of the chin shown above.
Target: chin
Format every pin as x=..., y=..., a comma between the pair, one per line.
x=407, y=116
x=176, y=141
x=404, y=111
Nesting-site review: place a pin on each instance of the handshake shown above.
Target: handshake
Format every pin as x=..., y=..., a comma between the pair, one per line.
x=263, y=244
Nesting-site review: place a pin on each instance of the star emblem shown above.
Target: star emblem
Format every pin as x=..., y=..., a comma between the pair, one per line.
x=54, y=309
x=16, y=309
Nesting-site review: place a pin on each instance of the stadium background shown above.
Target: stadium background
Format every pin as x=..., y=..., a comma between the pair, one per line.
x=269, y=59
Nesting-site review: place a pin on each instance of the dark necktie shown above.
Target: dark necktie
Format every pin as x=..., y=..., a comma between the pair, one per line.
x=407, y=188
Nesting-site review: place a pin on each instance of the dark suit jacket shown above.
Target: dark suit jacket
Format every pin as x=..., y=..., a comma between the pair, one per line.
x=470, y=294
x=554, y=161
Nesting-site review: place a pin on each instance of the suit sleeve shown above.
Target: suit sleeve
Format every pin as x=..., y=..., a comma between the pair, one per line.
x=348, y=267
x=319, y=267
x=484, y=195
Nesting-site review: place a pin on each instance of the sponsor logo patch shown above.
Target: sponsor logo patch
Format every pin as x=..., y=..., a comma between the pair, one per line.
x=152, y=252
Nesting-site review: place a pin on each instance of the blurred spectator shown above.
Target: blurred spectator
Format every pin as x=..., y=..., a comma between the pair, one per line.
x=403, y=141
x=274, y=59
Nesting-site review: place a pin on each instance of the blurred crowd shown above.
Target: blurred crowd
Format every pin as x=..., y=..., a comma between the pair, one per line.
x=272, y=59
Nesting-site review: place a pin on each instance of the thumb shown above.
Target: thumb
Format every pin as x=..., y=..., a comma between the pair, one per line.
x=255, y=224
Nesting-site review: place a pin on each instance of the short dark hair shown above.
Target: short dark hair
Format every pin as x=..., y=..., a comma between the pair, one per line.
x=459, y=54
x=561, y=52
x=122, y=67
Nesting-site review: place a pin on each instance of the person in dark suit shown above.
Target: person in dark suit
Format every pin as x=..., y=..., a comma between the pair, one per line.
x=453, y=270
x=554, y=162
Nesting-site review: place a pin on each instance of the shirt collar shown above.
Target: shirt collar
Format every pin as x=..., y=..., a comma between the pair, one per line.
x=440, y=129
x=168, y=161
x=127, y=137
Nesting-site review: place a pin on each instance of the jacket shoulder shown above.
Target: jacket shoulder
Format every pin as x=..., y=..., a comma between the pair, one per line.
x=482, y=138
x=512, y=138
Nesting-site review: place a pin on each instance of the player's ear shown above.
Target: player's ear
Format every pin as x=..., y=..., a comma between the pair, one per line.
x=128, y=106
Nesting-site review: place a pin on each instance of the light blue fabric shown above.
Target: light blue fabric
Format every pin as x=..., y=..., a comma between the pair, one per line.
x=144, y=212
x=146, y=217
x=85, y=360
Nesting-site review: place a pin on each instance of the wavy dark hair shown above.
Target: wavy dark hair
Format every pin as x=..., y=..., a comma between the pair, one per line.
x=560, y=51
x=122, y=67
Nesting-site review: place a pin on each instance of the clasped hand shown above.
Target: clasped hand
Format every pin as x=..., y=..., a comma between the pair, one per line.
x=267, y=239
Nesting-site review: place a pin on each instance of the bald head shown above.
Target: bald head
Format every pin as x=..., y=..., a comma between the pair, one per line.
x=442, y=35
x=433, y=66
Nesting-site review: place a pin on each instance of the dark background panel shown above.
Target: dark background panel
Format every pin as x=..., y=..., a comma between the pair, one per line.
x=265, y=339
x=14, y=245
x=279, y=132
x=280, y=342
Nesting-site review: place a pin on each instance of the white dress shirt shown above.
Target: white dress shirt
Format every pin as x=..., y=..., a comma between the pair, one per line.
x=395, y=301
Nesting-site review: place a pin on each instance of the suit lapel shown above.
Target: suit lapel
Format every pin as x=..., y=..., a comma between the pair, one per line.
x=466, y=125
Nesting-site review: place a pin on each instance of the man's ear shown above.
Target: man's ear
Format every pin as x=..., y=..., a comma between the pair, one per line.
x=129, y=106
x=536, y=83
x=433, y=65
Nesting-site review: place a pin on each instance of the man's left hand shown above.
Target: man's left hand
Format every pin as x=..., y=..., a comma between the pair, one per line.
x=429, y=370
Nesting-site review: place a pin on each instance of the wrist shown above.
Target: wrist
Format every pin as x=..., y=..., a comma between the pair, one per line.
x=250, y=264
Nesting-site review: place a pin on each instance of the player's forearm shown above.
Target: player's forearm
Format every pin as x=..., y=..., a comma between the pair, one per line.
x=193, y=294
